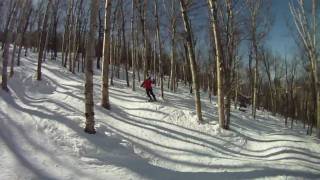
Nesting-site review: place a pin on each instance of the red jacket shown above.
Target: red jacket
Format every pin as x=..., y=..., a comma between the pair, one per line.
x=147, y=84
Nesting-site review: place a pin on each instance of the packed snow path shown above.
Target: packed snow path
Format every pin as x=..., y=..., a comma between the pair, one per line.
x=41, y=135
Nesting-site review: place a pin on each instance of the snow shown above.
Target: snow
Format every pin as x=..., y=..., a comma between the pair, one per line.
x=42, y=137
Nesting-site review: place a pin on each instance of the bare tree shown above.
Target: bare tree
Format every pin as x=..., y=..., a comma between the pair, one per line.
x=171, y=9
x=133, y=50
x=40, y=13
x=106, y=57
x=191, y=57
x=259, y=24
x=142, y=8
x=16, y=34
x=12, y=13
x=53, y=33
x=99, y=48
x=113, y=43
x=213, y=4
x=89, y=109
x=290, y=75
x=24, y=29
x=77, y=36
x=43, y=39
x=71, y=30
x=67, y=31
x=159, y=46
x=124, y=55
x=25, y=13
x=269, y=62
x=307, y=31
x=229, y=62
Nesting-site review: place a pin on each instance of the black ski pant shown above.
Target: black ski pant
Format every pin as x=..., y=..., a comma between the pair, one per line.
x=150, y=92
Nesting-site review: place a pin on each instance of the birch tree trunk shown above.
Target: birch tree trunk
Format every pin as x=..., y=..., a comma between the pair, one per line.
x=219, y=63
x=307, y=32
x=106, y=57
x=192, y=60
x=88, y=91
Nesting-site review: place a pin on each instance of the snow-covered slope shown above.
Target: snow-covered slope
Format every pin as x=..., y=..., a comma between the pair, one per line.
x=41, y=135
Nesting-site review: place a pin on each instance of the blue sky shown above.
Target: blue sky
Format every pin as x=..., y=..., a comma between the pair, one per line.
x=280, y=37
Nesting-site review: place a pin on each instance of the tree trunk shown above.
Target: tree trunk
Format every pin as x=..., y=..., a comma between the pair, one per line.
x=219, y=66
x=173, y=58
x=9, y=29
x=125, y=47
x=106, y=56
x=71, y=34
x=133, y=50
x=160, y=49
x=89, y=109
x=13, y=55
x=43, y=40
x=127, y=65
x=255, y=85
x=65, y=49
x=4, y=82
x=100, y=38
x=76, y=37
x=191, y=56
x=307, y=31
x=23, y=35
x=113, y=47
x=112, y=58
x=155, y=60
x=144, y=56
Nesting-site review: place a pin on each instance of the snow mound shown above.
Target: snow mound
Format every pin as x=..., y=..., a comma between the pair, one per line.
x=44, y=87
x=182, y=117
x=189, y=119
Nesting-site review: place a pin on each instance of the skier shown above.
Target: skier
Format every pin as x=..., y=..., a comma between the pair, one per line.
x=147, y=84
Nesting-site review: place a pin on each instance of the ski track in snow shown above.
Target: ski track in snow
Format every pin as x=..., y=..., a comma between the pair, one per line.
x=41, y=135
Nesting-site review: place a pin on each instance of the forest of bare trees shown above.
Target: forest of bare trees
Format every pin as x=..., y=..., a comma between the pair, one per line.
x=163, y=39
